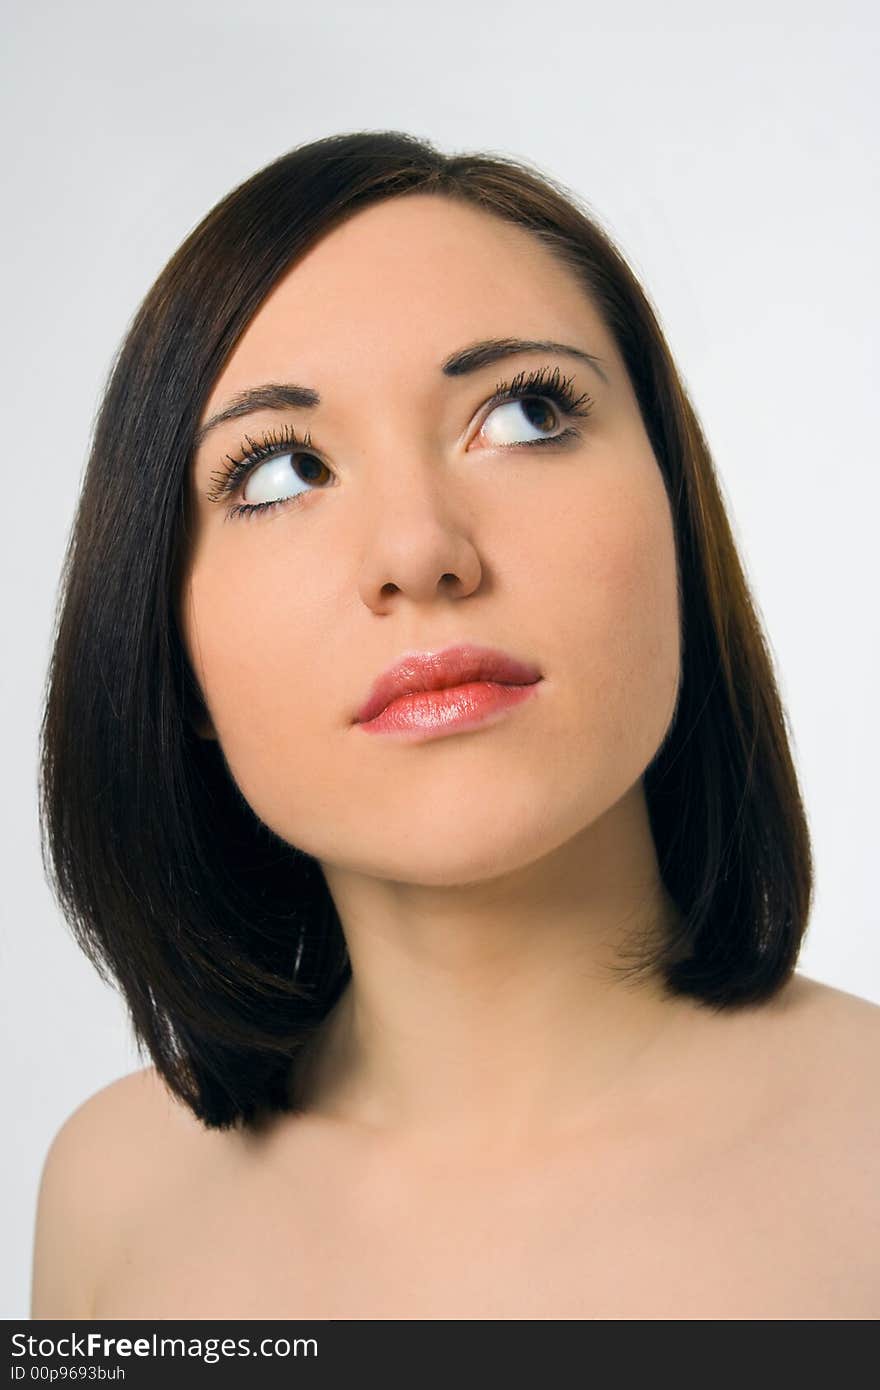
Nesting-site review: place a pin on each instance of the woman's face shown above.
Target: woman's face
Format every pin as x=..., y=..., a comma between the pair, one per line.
x=423, y=518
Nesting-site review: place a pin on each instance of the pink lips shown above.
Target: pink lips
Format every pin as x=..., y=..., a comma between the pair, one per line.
x=452, y=689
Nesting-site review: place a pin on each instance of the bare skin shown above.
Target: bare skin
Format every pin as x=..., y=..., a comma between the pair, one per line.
x=495, y=1124
x=738, y=1182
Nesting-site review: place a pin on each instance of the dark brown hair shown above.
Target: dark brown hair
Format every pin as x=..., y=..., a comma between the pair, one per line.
x=224, y=939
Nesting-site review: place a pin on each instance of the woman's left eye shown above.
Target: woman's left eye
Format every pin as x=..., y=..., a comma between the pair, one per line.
x=505, y=423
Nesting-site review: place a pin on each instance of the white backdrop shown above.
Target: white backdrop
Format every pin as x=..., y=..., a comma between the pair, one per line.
x=730, y=151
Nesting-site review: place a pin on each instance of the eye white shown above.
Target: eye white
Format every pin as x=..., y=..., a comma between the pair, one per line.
x=502, y=423
x=268, y=481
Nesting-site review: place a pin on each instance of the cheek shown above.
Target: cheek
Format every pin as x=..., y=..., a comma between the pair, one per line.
x=621, y=641
x=256, y=642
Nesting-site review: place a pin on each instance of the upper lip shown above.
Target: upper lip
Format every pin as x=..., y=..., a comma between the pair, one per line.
x=438, y=670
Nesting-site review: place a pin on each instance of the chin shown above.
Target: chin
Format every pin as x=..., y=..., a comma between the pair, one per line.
x=476, y=848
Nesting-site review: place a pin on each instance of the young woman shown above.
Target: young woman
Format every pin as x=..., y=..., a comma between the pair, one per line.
x=414, y=765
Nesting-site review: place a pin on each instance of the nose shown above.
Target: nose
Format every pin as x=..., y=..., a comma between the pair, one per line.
x=418, y=536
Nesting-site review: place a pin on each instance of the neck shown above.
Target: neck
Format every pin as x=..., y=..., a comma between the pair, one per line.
x=496, y=1011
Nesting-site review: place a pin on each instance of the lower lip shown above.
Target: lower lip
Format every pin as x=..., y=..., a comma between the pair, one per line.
x=433, y=713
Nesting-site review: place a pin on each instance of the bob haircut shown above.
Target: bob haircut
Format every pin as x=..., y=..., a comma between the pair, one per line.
x=223, y=938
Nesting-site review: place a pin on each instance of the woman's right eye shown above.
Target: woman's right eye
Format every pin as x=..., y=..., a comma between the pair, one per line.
x=275, y=480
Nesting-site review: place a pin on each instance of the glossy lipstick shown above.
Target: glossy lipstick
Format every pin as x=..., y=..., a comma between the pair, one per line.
x=428, y=694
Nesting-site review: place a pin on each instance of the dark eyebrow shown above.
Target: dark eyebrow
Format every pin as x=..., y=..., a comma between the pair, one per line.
x=280, y=395
x=471, y=359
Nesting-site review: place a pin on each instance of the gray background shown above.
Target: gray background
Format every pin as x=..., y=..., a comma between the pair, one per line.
x=731, y=152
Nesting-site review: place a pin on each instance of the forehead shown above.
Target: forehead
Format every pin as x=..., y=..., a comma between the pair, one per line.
x=398, y=286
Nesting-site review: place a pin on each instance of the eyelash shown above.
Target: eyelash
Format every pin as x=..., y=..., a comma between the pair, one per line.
x=275, y=443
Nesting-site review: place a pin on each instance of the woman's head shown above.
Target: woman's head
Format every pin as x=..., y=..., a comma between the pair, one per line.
x=426, y=513
x=200, y=758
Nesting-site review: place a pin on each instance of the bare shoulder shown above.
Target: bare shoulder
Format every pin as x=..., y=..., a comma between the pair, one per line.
x=840, y=1025
x=129, y=1135
x=804, y=1064
x=820, y=1048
